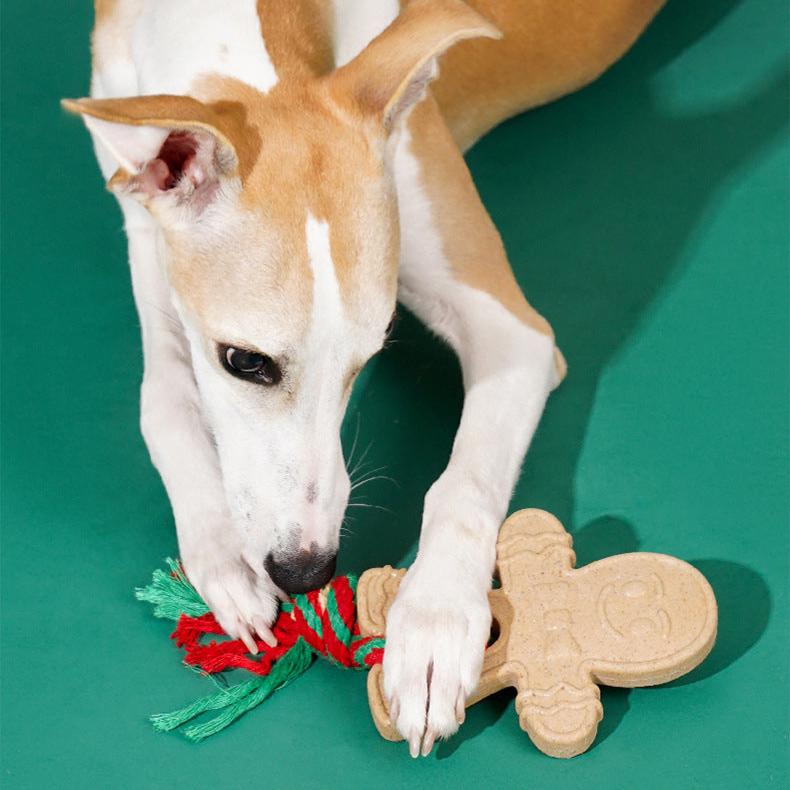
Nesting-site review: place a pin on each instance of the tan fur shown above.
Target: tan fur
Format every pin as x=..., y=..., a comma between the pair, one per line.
x=111, y=31
x=102, y=10
x=298, y=35
x=549, y=48
x=327, y=168
x=295, y=150
x=296, y=154
x=226, y=119
x=470, y=240
x=377, y=78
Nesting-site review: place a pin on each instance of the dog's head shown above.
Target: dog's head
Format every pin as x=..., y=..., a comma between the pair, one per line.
x=280, y=227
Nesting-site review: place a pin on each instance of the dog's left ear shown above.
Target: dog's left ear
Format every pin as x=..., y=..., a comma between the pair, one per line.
x=162, y=145
x=393, y=72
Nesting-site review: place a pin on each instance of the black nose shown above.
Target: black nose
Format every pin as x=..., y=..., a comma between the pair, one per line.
x=302, y=572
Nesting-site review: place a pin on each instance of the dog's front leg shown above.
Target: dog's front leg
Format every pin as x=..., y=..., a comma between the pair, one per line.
x=242, y=599
x=456, y=278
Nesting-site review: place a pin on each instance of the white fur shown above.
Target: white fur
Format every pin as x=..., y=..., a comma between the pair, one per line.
x=129, y=146
x=177, y=41
x=274, y=446
x=357, y=23
x=327, y=301
x=269, y=446
x=439, y=622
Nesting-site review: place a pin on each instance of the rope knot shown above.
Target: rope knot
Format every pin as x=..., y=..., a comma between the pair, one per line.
x=322, y=622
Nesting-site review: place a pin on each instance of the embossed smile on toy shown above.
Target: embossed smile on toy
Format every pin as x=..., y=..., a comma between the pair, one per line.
x=630, y=620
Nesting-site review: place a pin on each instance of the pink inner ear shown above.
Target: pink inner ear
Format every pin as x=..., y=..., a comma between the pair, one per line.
x=177, y=159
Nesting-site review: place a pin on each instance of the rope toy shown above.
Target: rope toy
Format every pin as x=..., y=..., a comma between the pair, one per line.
x=558, y=631
x=319, y=623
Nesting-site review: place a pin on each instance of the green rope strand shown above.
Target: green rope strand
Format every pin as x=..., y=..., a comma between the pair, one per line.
x=164, y=722
x=172, y=594
x=238, y=699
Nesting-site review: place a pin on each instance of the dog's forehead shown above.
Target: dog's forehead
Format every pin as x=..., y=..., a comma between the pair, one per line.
x=268, y=281
x=315, y=219
x=314, y=163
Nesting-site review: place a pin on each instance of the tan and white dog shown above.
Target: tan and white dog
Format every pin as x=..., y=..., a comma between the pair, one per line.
x=285, y=174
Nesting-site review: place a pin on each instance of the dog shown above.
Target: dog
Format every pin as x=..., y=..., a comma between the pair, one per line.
x=287, y=170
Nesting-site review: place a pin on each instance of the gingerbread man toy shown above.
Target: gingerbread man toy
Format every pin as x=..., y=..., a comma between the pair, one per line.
x=630, y=620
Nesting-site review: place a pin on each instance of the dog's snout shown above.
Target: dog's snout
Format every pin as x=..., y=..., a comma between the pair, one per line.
x=301, y=572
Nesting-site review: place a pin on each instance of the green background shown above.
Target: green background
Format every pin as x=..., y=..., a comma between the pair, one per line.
x=646, y=216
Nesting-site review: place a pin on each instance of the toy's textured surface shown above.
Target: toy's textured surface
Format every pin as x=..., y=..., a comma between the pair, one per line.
x=629, y=620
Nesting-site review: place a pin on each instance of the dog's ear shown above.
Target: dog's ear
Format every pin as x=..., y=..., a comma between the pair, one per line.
x=163, y=145
x=393, y=72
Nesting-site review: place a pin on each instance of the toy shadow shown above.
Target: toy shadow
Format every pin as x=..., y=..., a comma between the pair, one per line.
x=744, y=608
x=744, y=603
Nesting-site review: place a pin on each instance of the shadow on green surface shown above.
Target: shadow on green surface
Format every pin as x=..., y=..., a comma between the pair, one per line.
x=744, y=610
x=602, y=538
x=479, y=718
x=633, y=187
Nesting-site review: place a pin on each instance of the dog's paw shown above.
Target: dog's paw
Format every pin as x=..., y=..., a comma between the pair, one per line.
x=434, y=654
x=245, y=603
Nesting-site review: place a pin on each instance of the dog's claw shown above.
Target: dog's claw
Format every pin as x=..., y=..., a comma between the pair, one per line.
x=394, y=709
x=460, y=708
x=433, y=658
x=249, y=642
x=264, y=632
x=283, y=597
x=427, y=742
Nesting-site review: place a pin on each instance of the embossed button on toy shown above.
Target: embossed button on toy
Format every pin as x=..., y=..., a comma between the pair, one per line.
x=630, y=620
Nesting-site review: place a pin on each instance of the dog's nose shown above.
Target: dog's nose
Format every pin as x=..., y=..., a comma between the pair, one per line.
x=301, y=572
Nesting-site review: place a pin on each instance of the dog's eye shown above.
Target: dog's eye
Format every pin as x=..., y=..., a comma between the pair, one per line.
x=250, y=365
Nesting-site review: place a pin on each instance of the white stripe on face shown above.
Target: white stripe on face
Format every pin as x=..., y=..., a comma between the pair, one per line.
x=327, y=301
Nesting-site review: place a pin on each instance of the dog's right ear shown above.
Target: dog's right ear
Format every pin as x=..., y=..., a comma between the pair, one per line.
x=163, y=145
x=391, y=75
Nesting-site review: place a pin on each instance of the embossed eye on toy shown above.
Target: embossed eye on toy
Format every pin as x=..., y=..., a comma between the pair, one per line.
x=630, y=620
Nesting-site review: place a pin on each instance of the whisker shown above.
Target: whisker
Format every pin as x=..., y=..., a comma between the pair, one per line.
x=367, y=472
x=345, y=530
x=354, y=443
x=368, y=504
x=361, y=460
x=371, y=479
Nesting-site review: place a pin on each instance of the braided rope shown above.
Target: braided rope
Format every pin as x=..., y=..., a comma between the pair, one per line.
x=322, y=622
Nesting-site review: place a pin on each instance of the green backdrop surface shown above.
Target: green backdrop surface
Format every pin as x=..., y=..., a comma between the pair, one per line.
x=646, y=216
